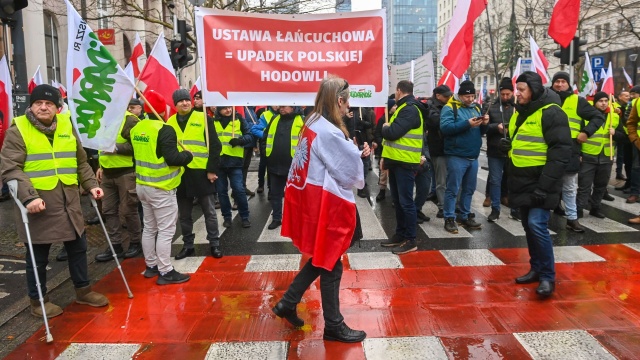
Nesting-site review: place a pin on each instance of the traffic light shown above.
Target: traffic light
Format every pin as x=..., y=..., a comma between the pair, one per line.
x=180, y=56
x=9, y=7
x=577, y=53
x=564, y=53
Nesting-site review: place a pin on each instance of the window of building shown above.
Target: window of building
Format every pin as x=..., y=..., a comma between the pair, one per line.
x=103, y=14
x=51, y=48
x=621, y=24
x=598, y=32
x=528, y=11
x=607, y=30
x=547, y=13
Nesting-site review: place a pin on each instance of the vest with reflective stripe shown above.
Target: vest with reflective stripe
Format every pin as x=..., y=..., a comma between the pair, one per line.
x=298, y=123
x=570, y=108
x=528, y=147
x=112, y=161
x=268, y=115
x=600, y=139
x=233, y=129
x=46, y=164
x=408, y=148
x=193, y=138
x=151, y=170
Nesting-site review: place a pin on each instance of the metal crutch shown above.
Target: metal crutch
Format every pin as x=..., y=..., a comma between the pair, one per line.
x=115, y=257
x=13, y=189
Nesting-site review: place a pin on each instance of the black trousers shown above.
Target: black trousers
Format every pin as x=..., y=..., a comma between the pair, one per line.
x=77, y=252
x=329, y=291
x=277, y=185
x=248, y=154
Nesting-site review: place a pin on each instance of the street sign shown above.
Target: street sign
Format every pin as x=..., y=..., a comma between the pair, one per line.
x=525, y=65
x=597, y=62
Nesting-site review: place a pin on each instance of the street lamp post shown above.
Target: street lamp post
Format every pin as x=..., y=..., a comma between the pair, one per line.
x=422, y=33
x=634, y=62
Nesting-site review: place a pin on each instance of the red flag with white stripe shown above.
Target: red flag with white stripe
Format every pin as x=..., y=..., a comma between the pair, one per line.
x=607, y=82
x=137, y=56
x=197, y=86
x=480, y=99
x=158, y=75
x=6, y=98
x=35, y=80
x=516, y=73
x=539, y=61
x=458, y=43
x=564, y=21
x=626, y=76
x=450, y=80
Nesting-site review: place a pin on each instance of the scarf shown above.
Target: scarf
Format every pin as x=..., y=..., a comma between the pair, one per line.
x=47, y=130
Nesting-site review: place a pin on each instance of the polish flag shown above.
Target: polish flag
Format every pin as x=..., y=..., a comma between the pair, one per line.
x=137, y=56
x=575, y=89
x=564, y=21
x=449, y=79
x=626, y=76
x=35, y=80
x=129, y=71
x=458, y=43
x=603, y=74
x=319, y=209
x=6, y=98
x=158, y=74
x=197, y=86
x=539, y=61
x=57, y=85
x=516, y=73
x=480, y=99
x=607, y=82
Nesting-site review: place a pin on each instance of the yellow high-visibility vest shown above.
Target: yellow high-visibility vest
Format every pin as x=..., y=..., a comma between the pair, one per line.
x=233, y=130
x=193, y=138
x=528, y=147
x=112, y=161
x=298, y=123
x=600, y=139
x=570, y=108
x=151, y=170
x=408, y=148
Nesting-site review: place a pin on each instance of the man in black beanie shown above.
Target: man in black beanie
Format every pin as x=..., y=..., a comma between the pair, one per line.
x=579, y=112
x=500, y=112
x=539, y=139
x=136, y=108
x=595, y=167
x=435, y=141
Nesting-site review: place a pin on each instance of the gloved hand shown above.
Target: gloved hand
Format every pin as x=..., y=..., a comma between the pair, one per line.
x=538, y=198
x=505, y=145
x=235, y=142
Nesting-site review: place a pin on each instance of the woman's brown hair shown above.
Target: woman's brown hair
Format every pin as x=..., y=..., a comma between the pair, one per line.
x=331, y=89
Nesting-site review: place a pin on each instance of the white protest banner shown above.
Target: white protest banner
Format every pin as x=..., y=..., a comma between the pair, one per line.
x=423, y=76
x=257, y=59
x=398, y=73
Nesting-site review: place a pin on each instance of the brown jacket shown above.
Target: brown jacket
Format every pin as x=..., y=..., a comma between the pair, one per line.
x=632, y=125
x=62, y=219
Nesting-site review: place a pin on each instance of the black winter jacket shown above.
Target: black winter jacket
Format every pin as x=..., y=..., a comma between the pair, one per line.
x=497, y=117
x=523, y=181
x=435, y=140
x=408, y=118
x=232, y=161
x=280, y=159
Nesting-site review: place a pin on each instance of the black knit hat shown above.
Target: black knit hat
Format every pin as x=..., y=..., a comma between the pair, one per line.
x=466, y=88
x=46, y=92
x=181, y=94
x=560, y=75
x=135, y=101
x=506, y=84
x=635, y=89
x=534, y=81
x=599, y=95
x=198, y=93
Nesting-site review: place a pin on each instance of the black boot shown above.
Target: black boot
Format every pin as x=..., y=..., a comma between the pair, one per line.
x=344, y=334
x=94, y=221
x=546, y=288
x=528, y=278
x=381, y=195
x=134, y=250
x=107, y=255
x=185, y=253
x=288, y=314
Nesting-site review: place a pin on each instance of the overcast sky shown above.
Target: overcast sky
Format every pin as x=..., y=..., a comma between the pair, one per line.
x=359, y=5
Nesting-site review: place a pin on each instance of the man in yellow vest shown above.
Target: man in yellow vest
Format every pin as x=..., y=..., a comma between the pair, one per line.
x=42, y=151
x=578, y=111
x=199, y=176
x=596, y=164
x=118, y=180
x=538, y=144
x=632, y=185
x=402, y=141
x=258, y=131
x=135, y=107
x=158, y=172
x=279, y=144
x=621, y=161
x=634, y=137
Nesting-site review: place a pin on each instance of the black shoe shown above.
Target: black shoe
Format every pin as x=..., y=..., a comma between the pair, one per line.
x=260, y=189
x=409, y=246
x=62, y=255
x=495, y=215
x=596, y=213
x=364, y=192
x=344, y=334
x=150, y=272
x=396, y=240
x=608, y=197
x=216, y=252
x=515, y=215
x=575, y=226
x=580, y=213
x=528, y=278
x=107, y=255
x=290, y=315
x=471, y=215
x=560, y=211
x=226, y=223
x=134, y=250
x=246, y=223
x=546, y=288
x=172, y=277
x=381, y=195
x=185, y=253
x=440, y=214
x=93, y=221
x=274, y=224
x=450, y=225
x=471, y=224
x=249, y=192
x=423, y=217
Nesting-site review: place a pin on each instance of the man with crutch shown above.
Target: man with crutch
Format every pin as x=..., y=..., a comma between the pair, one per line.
x=43, y=153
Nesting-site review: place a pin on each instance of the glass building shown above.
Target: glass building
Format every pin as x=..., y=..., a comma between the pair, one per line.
x=411, y=29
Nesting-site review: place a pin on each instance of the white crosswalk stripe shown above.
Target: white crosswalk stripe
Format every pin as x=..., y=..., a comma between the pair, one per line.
x=635, y=247
x=552, y=345
x=405, y=348
x=371, y=228
x=247, y=350
x=81, y=351
x=603, y=225
x=279, y=262
x=471, y=257
x=572, y=254
x=620, y=203
x=435, y=227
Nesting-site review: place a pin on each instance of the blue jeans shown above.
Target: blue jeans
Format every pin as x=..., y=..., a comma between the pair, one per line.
x=401, y=182
x=535, y=222
x=496, y=168
x=569, y=194
x=232, y=176
x=423, y=186
x=462, y=174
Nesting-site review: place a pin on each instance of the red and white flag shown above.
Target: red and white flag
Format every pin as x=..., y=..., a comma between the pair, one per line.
x=57, y=85
x=458, y=43
x=319, y=206
x=450, y=80
x=6, y=98
x=539, y=61
x=480, y=99
x=158, y=75
x=129, y=71
x=575, y=89
x=137, y=56
x=603, y=74
x=197, y=86
x=35, y=80
x=607, y=81
x=516, y=73
x=626, y=76
x=564, y=21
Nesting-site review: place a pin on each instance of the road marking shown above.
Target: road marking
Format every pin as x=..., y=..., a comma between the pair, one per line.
x=247, y=350
x=76, y=351
x=560, y=345
x=405, y=348
x=280, y=262
x=471, y=257
x=377, y=260
x=435, y=228
x=572, y=254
